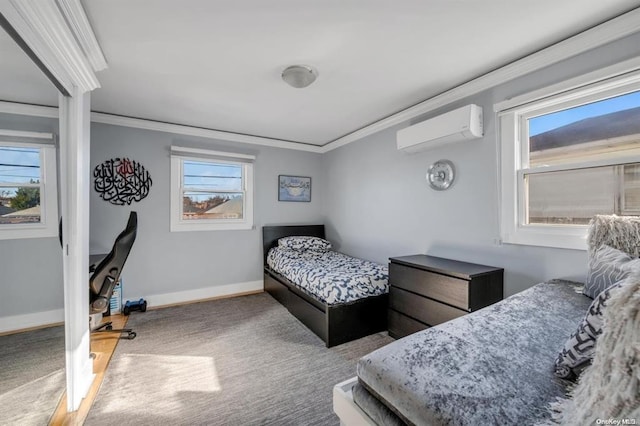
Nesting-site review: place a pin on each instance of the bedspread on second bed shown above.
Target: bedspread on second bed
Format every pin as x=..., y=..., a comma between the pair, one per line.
x=330, y=276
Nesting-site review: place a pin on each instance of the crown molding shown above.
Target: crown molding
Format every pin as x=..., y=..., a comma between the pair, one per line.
x=629, y=67
x=84, y=35
x=44, y=29
x=28, y=109
x=139, y=123
x=606, y=32
x=599, y=35
x=117, y=120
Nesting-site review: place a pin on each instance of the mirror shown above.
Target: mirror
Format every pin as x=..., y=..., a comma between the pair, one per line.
x=32, y=347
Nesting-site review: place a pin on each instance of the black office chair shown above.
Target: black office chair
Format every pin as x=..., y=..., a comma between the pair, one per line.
x=107, y=273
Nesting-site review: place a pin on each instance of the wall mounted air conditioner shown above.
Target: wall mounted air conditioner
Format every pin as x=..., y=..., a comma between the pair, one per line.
x=454, y=126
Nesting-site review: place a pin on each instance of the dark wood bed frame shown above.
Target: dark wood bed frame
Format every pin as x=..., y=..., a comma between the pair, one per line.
x=335, y=324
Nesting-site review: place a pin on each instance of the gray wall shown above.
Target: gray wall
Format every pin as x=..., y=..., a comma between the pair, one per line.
x=165, y=262
x=374, y=200
x=30, y=269
x=379, y=205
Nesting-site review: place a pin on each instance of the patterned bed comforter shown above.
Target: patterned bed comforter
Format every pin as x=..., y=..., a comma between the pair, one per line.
x=330, y=277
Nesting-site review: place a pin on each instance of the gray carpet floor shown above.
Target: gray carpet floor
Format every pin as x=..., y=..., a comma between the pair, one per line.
x=238, y=361
x=32, y=376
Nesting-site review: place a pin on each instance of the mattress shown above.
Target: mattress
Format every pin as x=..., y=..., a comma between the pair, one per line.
x=494, y=366
x=331, y=277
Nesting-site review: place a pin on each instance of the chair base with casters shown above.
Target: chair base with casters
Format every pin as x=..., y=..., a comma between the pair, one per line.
x=107, y=327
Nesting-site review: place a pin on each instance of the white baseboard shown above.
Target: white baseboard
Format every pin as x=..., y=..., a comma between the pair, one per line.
x=156, y=300
x=36, y=319
x=39, y=319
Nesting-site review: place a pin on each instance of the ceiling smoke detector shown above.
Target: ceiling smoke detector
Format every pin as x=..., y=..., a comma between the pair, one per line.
x=299, y=76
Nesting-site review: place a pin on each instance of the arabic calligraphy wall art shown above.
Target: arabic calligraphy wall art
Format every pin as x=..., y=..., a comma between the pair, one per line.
x=121, y=181
x=294, y=188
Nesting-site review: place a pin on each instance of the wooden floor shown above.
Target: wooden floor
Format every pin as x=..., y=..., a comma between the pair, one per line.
x=102, y=345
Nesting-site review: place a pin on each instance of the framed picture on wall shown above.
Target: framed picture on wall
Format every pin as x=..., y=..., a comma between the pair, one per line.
x=294, y=188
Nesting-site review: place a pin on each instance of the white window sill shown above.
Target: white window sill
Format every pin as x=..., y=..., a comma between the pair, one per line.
x=16, y=232
x=189, y=226
x=574, y=238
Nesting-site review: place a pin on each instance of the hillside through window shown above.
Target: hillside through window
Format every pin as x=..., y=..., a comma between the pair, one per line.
x=569, y=143
x=567, y=153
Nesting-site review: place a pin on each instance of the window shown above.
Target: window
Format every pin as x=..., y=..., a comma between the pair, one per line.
x=211, y=190
x=568, y=157
x=28, y=194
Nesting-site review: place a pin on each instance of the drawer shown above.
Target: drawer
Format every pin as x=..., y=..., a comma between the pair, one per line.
x=425, y=310
x=276, y=289
x=401, y=325
x=453, y=291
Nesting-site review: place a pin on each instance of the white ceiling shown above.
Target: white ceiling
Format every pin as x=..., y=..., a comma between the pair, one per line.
x=20, y=79
x=217, y=64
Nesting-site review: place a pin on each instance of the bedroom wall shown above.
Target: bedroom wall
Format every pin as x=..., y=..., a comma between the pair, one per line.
x=168, y=267
x=379, y=205
x=373, y=199
x=31, y=268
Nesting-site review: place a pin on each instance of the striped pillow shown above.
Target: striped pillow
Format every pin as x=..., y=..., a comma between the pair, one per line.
x=578, y=351
x=304, y=243
x=607, y=266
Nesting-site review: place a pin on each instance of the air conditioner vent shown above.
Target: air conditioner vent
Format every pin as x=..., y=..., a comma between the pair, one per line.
x=454, y=126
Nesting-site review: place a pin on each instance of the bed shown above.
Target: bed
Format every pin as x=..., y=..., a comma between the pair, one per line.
x=334, y=319
x=510, y=362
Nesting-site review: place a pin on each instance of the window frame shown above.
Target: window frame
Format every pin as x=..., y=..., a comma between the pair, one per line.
x=630, y=211
x=512, y=134
x=48, y=225
x=178, y=157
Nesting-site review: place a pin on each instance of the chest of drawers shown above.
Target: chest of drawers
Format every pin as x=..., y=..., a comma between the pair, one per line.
x=426, y=291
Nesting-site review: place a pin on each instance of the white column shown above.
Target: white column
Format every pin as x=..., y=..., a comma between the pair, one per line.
x=75, y=181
